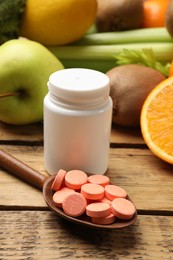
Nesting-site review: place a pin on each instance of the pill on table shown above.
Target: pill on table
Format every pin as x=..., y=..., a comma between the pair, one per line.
x=92, y=191
x=74, y=204
x=104, y=220
x=58, y=181
x=98, y=209
x=123, y=208
x=99, y=179
x=74, y=179
x=59, y=195
x=113, y=191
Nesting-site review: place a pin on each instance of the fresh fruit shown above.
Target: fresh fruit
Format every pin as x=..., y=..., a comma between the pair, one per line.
x=119, y=15
x=129, y=86
x=169, y=18
x=170, y=70
x=57, y=22
x=154, y=13
x=157, y=120
x=25, y=67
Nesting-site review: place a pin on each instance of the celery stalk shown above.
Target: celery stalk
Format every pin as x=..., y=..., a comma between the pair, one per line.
x=101, y=65
x=105, y=57
x=162, y=51
x=131, y=36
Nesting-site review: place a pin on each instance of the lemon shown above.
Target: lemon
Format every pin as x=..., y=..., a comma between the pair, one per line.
x=57, y=22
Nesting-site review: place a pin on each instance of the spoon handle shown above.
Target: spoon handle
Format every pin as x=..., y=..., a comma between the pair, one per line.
x=21, y=170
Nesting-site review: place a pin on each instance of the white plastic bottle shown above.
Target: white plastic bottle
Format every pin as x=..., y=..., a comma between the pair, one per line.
x=77, y=121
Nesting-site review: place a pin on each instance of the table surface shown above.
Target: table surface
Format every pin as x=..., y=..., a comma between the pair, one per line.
x=29, y=230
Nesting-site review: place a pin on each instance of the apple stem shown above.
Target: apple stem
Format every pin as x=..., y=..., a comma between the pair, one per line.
x=8, y=95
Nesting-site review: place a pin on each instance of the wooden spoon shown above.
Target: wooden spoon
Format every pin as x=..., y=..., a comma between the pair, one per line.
x=36, y=179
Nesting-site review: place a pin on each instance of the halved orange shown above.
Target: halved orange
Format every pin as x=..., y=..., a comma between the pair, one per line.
x=157, y=120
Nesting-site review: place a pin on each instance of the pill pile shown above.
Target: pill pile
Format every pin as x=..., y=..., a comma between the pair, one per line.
x=77, y=194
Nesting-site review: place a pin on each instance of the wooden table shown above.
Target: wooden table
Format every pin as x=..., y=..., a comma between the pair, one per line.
x=29, y=230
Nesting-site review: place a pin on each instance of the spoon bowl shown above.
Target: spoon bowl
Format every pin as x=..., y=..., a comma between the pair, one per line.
x=84, y=219
x=36, y=179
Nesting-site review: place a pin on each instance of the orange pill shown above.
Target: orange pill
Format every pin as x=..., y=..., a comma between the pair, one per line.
x=113, y=191
x=105, y=200
x=74, y=204
x=92, y=191
x=123, y=208
x=74, y=179
x=59, y=195
x=99, y=179
x=104, y=220
x=98, y=209
x=58, y=181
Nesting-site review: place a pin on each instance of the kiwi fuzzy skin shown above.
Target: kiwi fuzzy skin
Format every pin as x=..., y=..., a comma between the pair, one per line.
x=129, y=86
x=119, y=15
x=169, y=18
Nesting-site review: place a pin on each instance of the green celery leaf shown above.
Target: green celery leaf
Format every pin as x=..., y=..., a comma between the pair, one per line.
x=144, y=57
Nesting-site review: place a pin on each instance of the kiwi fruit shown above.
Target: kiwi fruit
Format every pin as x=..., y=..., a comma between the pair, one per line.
x=119, y=15
x=129, y=86
x=169, y=18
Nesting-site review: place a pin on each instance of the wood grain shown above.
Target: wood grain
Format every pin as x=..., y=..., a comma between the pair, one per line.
x=34, y=133
x=26, y=133
x=42, y=235
x=147, y=179
x=28, y=230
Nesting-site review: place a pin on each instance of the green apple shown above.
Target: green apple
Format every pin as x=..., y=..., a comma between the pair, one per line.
x=25, y=67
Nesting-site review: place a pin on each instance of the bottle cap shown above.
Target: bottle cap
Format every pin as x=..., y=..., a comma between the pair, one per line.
x=78, y=86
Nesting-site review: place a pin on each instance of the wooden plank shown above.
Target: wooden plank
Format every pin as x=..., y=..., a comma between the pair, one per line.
x=43, y=235
x=16, y=194
x=126, y=135
x=147, y=179
x=35, y=133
